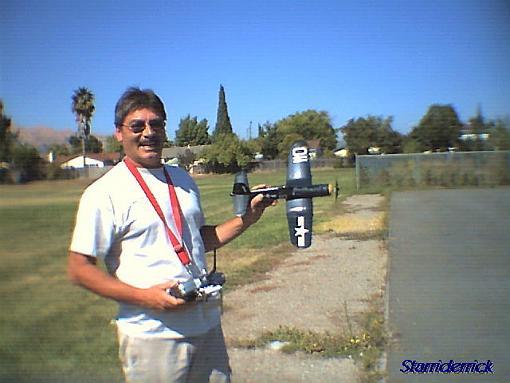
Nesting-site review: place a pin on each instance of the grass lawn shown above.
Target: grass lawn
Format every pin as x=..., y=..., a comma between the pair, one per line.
x=53, y=331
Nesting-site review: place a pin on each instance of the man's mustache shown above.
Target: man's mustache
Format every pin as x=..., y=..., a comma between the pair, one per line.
x=150, y=142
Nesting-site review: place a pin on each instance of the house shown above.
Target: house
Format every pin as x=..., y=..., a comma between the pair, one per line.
x=467, y=136
x=314, y=148
x=341, y=153
x=374, y=150
x=173, y=153
x=180, y=155
x=472, y=132
x=98, y=160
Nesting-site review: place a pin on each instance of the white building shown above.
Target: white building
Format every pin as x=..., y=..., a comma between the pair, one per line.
x=97, y=160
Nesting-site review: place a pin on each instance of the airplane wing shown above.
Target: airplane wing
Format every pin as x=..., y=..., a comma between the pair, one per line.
x=300, y=210
x=241, y=193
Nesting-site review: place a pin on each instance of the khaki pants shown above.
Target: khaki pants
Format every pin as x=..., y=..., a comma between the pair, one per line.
x=198, y=359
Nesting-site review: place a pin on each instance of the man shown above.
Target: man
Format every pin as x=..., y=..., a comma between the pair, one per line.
x=145, y=221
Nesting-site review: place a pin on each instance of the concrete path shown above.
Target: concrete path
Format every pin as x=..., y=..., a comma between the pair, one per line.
x=449, y=283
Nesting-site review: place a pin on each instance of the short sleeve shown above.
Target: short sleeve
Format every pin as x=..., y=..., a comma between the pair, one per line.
x=94, y=230
x=201, y=217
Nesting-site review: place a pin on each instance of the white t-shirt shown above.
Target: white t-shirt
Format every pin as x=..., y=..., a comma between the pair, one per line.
x=117, y=223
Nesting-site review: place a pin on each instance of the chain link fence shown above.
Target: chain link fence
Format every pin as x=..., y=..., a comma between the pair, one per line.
x=452, y=169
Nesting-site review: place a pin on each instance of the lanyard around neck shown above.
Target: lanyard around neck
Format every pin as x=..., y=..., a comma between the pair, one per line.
x=176, y=210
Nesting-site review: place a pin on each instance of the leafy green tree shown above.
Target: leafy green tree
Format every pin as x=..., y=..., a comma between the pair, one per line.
x=83, y=108
x=410, y=145
x=191, y=132
x=7, y=136
x=7, y=140
x=499, y=135
x=269, y=138
x=59, y=149
x=76, y=143
x=27, y=162
x=286, y=143
x=185, y=133
x=22, y=161
x=93, y=144
x=113, y=145
x=309, y=125
x=202, y=133
x=363, y=133
x=228, y=154
x=254, y=145
x=439, y=129
x=388, y=140
x=223, y=125
x=187, y=159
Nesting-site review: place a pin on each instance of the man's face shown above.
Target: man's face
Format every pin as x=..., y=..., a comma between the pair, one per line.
x=143, y=147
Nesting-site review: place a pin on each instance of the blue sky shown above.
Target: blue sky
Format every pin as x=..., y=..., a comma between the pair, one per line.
x=274, y=58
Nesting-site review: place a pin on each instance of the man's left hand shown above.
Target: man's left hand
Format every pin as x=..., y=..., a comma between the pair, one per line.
x=257, y=206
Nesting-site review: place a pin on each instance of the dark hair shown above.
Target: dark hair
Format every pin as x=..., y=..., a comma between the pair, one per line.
x=134, y=99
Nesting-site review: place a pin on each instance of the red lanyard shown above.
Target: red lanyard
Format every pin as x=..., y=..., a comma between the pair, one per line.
x=176, y=210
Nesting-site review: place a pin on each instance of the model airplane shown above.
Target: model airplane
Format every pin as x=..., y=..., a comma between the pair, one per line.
x=298, y=191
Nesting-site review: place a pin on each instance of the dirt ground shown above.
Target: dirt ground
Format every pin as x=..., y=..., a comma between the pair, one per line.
x=346, y=267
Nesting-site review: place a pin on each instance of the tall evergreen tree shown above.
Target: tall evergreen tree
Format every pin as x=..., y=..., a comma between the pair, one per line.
x=223, y=125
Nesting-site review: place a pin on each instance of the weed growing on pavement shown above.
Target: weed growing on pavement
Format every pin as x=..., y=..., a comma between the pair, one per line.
x=365, y=346
x=326, y=344
x=370, y=357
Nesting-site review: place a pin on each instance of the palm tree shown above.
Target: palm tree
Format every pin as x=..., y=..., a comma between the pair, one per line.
x=83, y=107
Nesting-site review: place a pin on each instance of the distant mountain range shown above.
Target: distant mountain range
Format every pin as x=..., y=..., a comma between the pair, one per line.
x=43, y=137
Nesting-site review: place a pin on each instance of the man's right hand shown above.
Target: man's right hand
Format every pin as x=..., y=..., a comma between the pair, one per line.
x=157, y=297
x=83, y=271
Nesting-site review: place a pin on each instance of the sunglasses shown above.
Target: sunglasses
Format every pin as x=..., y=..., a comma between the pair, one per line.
x=138, y=126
